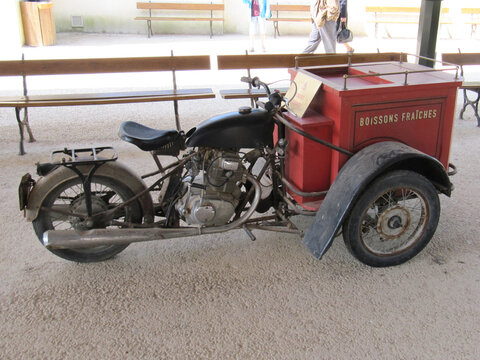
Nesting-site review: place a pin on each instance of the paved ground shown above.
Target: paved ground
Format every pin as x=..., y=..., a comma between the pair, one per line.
x=223, y=296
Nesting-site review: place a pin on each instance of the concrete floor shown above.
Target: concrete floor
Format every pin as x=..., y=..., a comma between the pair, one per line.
x=92, y=44
x=223, y=296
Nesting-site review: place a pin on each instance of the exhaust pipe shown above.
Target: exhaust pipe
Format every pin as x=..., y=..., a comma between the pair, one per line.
x=71, y=239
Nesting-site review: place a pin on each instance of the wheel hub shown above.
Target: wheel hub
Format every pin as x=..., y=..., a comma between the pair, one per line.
x=393, y=222
x=78, y=206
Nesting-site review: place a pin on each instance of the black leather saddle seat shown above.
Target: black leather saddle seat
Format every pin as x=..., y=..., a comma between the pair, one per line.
x=144, y=137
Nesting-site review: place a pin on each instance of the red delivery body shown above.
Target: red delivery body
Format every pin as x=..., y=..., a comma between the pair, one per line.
x=356, y=106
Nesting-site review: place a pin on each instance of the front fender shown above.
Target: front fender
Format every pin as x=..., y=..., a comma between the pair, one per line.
x=62, y=174
x=357, y=173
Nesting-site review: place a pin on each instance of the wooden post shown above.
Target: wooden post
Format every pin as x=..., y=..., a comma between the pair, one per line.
x=428, y=30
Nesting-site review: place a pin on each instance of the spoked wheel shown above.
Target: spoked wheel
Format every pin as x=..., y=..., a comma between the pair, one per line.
x=393, y=220
x=69, y=198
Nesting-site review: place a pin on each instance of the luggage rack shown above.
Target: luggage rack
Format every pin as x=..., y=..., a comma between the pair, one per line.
x=406, y=73
x=83, y=156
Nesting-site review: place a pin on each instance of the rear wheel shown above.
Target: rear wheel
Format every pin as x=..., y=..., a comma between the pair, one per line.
x=393, y=220
x=69, y=197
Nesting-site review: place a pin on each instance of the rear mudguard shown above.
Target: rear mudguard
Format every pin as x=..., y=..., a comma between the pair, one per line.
x=357, y=173
x=112, y=169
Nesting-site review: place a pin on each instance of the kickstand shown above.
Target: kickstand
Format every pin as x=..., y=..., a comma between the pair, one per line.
x=249, y=233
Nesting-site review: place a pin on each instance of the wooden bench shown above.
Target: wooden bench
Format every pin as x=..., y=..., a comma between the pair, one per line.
x=474, y=18
x=179, y=7
x=401, y=15
x=279, y=9
x=463, y=59
x=271, y=61
x=172, y=64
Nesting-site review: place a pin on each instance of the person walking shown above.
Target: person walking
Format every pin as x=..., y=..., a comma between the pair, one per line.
x=343, y=18
x=324, y=15
x=259, y=12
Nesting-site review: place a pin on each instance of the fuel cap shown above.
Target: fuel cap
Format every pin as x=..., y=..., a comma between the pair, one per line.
x=244, y=110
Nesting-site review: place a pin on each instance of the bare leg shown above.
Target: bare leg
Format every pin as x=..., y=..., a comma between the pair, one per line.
x=252, y=31
x=261, y=29
x=348, y=47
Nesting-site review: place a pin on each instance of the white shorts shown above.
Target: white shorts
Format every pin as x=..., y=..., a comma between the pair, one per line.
x=257, y=22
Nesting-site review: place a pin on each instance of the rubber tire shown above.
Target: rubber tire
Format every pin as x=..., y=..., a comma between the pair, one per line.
x=42, y=222
x=388, y=181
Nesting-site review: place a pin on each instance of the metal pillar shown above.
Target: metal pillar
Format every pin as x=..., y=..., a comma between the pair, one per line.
x=428, y=30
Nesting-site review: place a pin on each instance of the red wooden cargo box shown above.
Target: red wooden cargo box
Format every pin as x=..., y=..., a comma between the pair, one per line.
x=358, y=105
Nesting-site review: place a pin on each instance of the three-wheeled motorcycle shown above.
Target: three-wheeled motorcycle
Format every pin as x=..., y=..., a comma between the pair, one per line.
x=362, y=148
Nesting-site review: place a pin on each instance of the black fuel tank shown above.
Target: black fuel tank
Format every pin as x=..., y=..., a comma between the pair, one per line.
x=234, y=130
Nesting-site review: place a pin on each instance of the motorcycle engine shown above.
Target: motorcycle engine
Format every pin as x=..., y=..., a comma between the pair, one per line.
x=211, y=189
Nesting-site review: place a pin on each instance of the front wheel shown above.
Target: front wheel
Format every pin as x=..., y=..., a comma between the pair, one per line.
x=69, y=197
x=393, y=220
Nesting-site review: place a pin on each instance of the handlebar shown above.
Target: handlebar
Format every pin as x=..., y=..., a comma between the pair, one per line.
x=256, y=82
x=274, y=99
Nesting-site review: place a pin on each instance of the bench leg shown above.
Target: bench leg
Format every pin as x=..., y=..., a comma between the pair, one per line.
x=275, y=29
x=448, y=30
x=20, y=127
x=476, y=108
x=473, y=103
x=177, y=115
x=149, y=28
x=25, y=122
x=388, y=33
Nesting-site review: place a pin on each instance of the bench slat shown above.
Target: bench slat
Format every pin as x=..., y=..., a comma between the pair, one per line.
x=289, y=19
x=286, y=7
x=398, y=9
x=392, y=9
x=381, y=21
x=107, y=65
x=104, y=98
x=462, y=58
x=471, y=85
x=179, y=6
x=470, y=10
x=267, y=61
x=339, y=59
x=177, y=18
x=260, y=61
x=247, y=93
